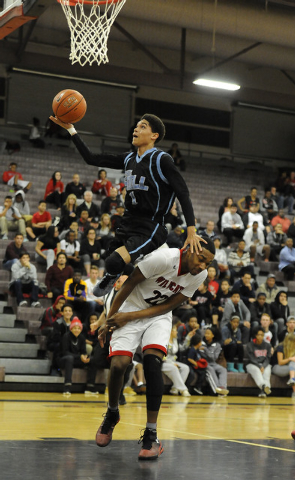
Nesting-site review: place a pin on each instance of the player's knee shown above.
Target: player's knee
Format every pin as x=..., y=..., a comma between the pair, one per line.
x=119, y=365
x=152, y=366
x=114, y=264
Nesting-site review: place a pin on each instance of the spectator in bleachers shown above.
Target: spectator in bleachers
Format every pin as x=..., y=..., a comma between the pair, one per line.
x=270, y=330
x=232, y=224
x=221, y=259
x=239, y=260
x=289, y=192
x=291, y=229
x=24, y=280
x=178, y=372
x=280, y=310
x=15, y=179
x=71, y=248
x=211, y=352
x=108, y=205
x=284, y=358
x=68, y=212
x=90, y=336
x=248, y=200
x=177, y=157
x=235, y=305
x=253, y=215
x=50, y=315
x=186, y=331
x=75, y=293
x=231, y=341
x=91, y=282
x=173, y=219
x=289, y=328
x=219, y=301
x=48, y=246
x=276, y=239
x=60, y=327
x=11, y=219
x=197, y=364
x=102, y=185
x=35, y=135
x=41, y=221
x=257, y=310
x=259, y=353
x=83, y=223
x=287, y=260
x=22, y=205
x=54, y=190
x=255, y=242
x=208, y=231
x=104, y=231
x=269, y=288
x=268, y=206
x=274, y=195
x=89, y=206
x=75, y=187
x=201, y=301
x=213, y=284
x=225, y=207
x=13, y=251
x=116, y=219
x=280, y=218
x=57, y=275
x=90, y=252
x=175, y=238
x=246, y=287
x=74, y=227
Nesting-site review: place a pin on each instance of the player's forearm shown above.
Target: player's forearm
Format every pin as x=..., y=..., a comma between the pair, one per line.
x=156, y=310
x=111, y=161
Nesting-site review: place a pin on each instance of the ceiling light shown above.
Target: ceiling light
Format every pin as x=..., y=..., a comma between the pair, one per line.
x=204, y=82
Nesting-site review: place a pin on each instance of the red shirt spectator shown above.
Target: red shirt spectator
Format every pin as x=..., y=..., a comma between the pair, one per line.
x=280, y=218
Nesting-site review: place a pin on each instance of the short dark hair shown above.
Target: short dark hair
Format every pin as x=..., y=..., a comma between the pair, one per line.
x=22, y=253
x=209, y=246
x=61, y=253
x=9, y=197
x=196, y=338
x=17, y=234
x=156, y=125
x=41, y=201
x=258, y=329
x=66, y=305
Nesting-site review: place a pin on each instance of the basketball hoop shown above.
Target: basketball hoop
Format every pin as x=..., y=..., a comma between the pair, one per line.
x=90, y=23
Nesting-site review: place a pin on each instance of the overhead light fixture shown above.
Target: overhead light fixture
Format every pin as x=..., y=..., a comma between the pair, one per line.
x=204, y=82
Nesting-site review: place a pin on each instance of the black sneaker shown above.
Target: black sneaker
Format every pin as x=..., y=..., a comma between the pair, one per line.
x=105, y=431
x=105, y=285
x=151, y=446
x=67, y=390
x=198, y=391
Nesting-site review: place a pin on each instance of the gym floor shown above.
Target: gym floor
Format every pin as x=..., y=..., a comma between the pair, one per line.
x=45, y=436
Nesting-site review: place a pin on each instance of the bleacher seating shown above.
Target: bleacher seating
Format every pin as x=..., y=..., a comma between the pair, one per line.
x=208, y=187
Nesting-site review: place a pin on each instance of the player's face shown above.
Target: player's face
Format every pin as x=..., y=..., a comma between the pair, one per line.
x=198, y=262
x=143, y=134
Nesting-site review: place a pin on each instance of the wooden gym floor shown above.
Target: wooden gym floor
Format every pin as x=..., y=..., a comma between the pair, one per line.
x=47, y=437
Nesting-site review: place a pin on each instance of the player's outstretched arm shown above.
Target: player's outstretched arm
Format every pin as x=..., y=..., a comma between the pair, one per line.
x=194, y=240
x=120, y=319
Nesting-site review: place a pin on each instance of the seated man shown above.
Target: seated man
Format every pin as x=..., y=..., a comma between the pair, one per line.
x=269, y=288
x=287, y=260
x=254, y=216
x=57, y=275
x=255, y=242
x=109, y=204
x=280, y=218
x=75, y=187
x=15, y=179
x=89, y=206
x=13, y=251
x=276, y=240
x=175, y=238
x=231, y=224
x=221, y=259
x=24, y=280
x=258, y=309
x=269, y=207
x=75, y=293
x=235, y=305
x=239, y=259
x=41, y=221
x=246, y=288
x=91, y=282
x=209, y=230
x=11, y=219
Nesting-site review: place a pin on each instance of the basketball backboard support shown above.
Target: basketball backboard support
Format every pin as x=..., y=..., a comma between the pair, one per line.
x=12, y=17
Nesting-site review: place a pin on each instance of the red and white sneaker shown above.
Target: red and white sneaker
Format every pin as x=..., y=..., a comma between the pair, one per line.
x=105, y=431
x=151, y=448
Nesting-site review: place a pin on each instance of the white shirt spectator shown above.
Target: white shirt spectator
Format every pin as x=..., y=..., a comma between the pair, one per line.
x=229, y=220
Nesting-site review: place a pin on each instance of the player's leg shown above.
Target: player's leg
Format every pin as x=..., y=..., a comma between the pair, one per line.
x=119, y=365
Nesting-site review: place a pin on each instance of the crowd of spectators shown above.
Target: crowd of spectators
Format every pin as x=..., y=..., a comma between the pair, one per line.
x=230, y=324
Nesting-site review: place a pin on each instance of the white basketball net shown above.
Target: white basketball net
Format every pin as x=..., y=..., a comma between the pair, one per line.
x=90, y=27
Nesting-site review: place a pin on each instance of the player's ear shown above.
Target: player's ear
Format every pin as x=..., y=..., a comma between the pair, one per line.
x=154, y=136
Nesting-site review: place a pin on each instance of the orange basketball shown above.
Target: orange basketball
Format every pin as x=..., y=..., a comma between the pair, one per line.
x=69, y=106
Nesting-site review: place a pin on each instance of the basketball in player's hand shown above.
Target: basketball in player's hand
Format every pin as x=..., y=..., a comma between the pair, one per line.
x=293, y=434
x=69, y=106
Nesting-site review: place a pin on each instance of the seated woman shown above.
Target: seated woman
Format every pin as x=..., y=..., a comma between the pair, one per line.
x=284, y=360
x=211, y=351
x=102, y=184
x=225, y=207
x=68, y=212
x=90, y=253
x=104, y=232
x=48, y=246
x=176, y=371
x=54, y=190
x=259, y=353
x=51, y=314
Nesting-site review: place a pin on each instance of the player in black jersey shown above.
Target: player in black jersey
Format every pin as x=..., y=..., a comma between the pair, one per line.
x=152, y=182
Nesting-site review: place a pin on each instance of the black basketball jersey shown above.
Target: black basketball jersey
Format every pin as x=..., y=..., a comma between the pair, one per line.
x=152, y=181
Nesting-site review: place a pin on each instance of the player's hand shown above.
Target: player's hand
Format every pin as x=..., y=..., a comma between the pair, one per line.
x=104, y=329
x=118, y=320
x=194, y=240
x=60, y=123
x=94, y=326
